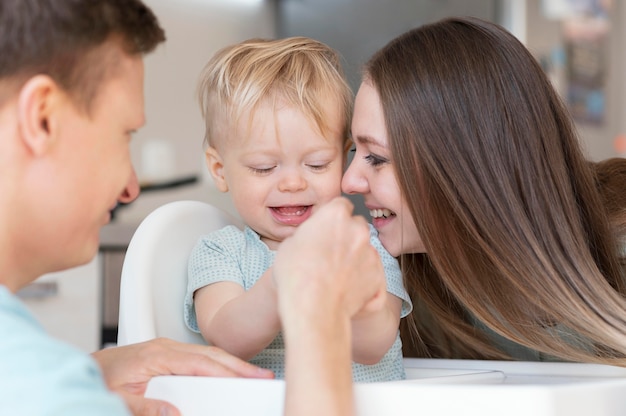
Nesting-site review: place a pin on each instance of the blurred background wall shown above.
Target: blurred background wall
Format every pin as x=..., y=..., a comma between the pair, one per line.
x=169, y=147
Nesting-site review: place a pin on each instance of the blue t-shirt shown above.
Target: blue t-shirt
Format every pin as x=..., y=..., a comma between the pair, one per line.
x=42, y=376
x=233, y=255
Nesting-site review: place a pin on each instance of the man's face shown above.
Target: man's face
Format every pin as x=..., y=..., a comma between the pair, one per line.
x=89, y=168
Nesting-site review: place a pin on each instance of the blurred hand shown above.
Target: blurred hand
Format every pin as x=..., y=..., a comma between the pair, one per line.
x=128, y=369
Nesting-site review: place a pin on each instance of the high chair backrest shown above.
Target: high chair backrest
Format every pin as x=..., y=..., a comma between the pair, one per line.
x=154, y=272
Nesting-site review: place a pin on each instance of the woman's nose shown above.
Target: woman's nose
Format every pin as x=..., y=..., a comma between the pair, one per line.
x=131, y=191
x=352, y=182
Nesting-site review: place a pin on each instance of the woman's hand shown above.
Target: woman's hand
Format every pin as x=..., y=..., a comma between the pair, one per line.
x=128, y=369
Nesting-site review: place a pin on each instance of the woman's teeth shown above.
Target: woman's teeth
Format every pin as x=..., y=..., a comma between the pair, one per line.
x=377, y=213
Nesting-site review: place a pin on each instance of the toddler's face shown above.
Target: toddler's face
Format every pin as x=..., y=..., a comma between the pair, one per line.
x=279, y=168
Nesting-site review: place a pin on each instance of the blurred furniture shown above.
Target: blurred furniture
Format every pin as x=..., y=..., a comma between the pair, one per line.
x=67, y=304
x=114, y=240
x=154, y=271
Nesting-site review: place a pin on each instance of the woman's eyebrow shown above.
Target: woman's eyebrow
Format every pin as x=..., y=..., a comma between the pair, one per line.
x=367, y=140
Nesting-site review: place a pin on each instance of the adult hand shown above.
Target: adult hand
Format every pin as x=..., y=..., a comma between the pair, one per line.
x=128, y=369
x=330, y=257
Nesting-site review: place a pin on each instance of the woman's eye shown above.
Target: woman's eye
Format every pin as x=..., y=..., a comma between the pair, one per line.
x=375, y=160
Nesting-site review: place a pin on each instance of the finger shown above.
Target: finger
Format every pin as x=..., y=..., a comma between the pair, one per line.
x=201, y=360
x=377, y=302
x=345, y=203
x=140, y=406
x=338, y=206
x=372, y=283
x=236, y=366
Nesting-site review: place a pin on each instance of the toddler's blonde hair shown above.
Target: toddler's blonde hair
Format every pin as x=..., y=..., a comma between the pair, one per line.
x=296, y=71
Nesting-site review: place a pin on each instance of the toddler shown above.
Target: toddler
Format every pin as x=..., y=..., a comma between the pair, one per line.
x=277, y=116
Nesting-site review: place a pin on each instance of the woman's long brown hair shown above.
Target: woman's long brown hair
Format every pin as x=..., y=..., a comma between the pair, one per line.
x=516, y=232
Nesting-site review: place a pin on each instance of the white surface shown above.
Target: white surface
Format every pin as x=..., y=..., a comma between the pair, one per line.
x=434, y=387
x=154, y=273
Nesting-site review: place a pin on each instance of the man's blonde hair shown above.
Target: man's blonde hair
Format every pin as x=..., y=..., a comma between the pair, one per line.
x=296, y=71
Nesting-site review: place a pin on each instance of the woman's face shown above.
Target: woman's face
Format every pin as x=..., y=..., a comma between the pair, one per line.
x=372, y=174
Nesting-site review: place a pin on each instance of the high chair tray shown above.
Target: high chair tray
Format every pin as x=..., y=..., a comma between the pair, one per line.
x=433, y=387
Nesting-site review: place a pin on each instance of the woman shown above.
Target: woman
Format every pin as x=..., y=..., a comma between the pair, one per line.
x=476, y=180
x=473, y=174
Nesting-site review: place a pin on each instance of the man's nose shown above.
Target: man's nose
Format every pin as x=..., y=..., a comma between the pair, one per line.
x=131, y=191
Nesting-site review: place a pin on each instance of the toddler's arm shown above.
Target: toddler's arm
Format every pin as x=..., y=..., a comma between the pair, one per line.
x=238, y=321
x=374, y=332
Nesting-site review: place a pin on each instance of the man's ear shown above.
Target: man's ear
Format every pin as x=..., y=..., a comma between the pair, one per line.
x=35, y=104
x=216, y=168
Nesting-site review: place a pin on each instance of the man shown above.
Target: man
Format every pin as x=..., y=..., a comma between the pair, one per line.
x=71, y=95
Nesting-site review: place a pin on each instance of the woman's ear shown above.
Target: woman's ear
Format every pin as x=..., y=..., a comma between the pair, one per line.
x=36, y=102
x=216, y=168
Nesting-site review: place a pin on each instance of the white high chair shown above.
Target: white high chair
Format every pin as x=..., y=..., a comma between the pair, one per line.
x=154, y=273
x=154, y=277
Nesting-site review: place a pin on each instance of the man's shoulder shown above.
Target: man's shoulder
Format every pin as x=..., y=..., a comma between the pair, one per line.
x=39, y=373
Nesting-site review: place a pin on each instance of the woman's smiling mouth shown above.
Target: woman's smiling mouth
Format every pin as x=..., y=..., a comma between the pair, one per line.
x=381, y=213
